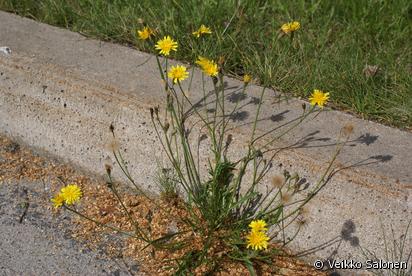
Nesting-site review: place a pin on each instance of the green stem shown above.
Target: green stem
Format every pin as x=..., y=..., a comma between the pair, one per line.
x=257, y=115
x=141, y=234
x=100, y=223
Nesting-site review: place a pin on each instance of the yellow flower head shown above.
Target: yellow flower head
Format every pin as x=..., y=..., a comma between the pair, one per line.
x=246, y=79
x=202, y=30
x=290, y=27
x=178, y=73
x=202, y=61
x=166, y=45
x=209, y=67
x=258, y=226
x=57, y=201
x=318, y=98
x=70, y=194
x=145, y=33
x=257, y=240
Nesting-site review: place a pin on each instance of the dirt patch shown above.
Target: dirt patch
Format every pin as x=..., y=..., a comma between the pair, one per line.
x=33, y=239
x=156, y=217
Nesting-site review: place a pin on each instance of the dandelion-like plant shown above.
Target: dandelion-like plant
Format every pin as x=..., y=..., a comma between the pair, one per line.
x=217, y=201
x=201, y=31
x=257, y=238
x=258, y=226
x=319, y=98
x=145, y=33
x=209, y=67
x=68, y=195
x=58, y=201
x=178, y=73
x=246, y=79
x=166, y=45
x=290, y=27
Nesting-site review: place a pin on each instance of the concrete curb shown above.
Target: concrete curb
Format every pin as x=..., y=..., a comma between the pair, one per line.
x=60, y=91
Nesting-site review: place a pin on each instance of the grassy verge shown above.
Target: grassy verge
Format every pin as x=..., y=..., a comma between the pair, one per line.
x=330, y=51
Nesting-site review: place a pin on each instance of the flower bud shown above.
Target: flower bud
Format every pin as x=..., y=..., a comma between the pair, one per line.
x=166, y=127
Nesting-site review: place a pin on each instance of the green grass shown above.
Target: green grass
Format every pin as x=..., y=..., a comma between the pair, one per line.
x=337, y=39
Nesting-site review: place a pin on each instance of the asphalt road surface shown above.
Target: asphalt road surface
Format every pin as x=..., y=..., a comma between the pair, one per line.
x=33, y=241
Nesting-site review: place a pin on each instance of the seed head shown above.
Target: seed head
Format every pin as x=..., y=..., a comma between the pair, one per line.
x=285, y=198
x=113, y=146
x=278, y=181
x=347, y=129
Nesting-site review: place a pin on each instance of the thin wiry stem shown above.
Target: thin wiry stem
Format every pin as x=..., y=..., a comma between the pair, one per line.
x=100, y=223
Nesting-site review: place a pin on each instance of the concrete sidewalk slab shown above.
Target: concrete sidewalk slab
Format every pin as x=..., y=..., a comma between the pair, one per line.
x=59, y=92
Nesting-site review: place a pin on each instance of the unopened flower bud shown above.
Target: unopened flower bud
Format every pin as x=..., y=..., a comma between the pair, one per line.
x=215, y=80
x=108, y=165
x=109, y=184
x=229, y=140
x=221, y=60
x=166, y=127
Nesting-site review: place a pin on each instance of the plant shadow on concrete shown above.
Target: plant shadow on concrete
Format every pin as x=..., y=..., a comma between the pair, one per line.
x=397, y=251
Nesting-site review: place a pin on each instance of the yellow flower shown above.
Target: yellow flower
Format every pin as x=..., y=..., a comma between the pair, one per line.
x=202, y=30
x=57, y=201
x=258, y=226
x=257, y=240
x=247, y=78
x=290, y=27
x=70, y=194
x=166, y=45
x=318, y=97
x=209, y=67
x=145, y=33
x=202, y=61
x=178, y=73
